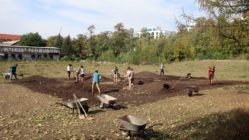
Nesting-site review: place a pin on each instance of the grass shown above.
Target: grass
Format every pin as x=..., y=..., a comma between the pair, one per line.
x=225, y=69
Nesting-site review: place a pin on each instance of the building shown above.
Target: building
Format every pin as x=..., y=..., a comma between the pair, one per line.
x=29, y=52
x=9, y=37
x=155, y=32
x=10, y=50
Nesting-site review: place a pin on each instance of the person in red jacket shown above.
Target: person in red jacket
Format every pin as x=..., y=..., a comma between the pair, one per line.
x=211, y=71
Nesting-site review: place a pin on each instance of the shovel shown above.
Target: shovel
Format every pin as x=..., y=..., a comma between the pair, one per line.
x=177, y=82
x=78, y=109
x=78, y=105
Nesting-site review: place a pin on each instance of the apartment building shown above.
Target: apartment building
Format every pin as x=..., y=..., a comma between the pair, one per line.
x=155, y=32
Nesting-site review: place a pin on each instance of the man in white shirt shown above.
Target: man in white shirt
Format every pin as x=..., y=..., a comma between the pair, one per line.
x=162, y=69
x=130, y=77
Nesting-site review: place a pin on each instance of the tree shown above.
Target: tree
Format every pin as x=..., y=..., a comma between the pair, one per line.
x=54, y=41
x=91, y=29
x=58, y=41
x=32, y=39
x=91, y=41
x=225, y=7
x=51, y=41
x=79, y=45
x=232, y=18
x=66, y=49
x=119, y=38
x=103, y=43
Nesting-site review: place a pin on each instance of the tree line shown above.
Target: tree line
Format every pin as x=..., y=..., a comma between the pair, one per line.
x=223, y=34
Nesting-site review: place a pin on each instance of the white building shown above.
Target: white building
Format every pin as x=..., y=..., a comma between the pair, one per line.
x=155, y=32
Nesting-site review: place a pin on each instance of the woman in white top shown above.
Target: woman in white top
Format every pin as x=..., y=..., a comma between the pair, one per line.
x=69, y=70
x=82, y=73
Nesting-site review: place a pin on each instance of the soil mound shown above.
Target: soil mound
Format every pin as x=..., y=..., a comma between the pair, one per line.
x=147, y=87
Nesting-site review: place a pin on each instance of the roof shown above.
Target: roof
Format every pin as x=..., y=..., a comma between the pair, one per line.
x=9, y=43
x=9, y=37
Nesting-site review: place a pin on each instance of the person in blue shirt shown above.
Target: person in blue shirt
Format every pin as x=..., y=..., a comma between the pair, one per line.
x=95, y=81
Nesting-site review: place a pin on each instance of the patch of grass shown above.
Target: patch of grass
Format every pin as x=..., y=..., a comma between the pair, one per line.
x=243, y=89
x=225, y=69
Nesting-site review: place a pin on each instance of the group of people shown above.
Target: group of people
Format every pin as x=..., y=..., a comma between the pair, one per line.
x=211, y=72
x=80, y=75
x=129, y=75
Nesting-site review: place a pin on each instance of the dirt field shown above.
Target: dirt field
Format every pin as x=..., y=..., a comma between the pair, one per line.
x=149, y=87
x=29, y=107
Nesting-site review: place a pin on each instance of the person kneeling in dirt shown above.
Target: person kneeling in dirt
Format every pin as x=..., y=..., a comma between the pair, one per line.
x=13, y=71
x=115, y=75
x=130, y=77
x=95, y=81
x=80, y=74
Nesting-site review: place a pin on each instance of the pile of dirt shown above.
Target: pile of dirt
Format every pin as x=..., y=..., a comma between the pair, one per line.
x=146, y=74
x=149, y=87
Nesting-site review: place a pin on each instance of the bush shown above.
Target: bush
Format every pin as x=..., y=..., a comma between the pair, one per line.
x=247, y=57
x=107, y=56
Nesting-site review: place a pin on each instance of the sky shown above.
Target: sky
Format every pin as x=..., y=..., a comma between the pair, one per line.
x=72, y=17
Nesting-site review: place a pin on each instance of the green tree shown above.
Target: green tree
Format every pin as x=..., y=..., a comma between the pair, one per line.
x=91, y=42
x=32, y=39
x=80, y=45
x=103, y=43
x=66, y=49
x=51, y=41
x=58, y=41
x=119, y=38
x=232, y=18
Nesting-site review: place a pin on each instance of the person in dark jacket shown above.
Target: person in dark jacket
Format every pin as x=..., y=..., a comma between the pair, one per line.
x=13, y=71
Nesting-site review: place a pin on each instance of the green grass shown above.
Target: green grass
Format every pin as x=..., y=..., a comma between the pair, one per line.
x=225, y=69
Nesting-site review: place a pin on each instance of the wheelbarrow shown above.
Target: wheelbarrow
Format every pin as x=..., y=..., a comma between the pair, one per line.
x=83, y=101
x=106, y=100
x=191, y=89
x=7, y=75
x=131, y=125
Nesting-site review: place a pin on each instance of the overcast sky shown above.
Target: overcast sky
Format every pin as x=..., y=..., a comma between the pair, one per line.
x=74, y=16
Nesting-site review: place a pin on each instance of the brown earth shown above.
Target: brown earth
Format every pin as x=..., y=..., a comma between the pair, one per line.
x=149, y=87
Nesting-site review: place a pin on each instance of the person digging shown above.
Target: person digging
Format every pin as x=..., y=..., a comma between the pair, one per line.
x=130, y=77
x=13, y=71
x=95, y=81
x=211, y=71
